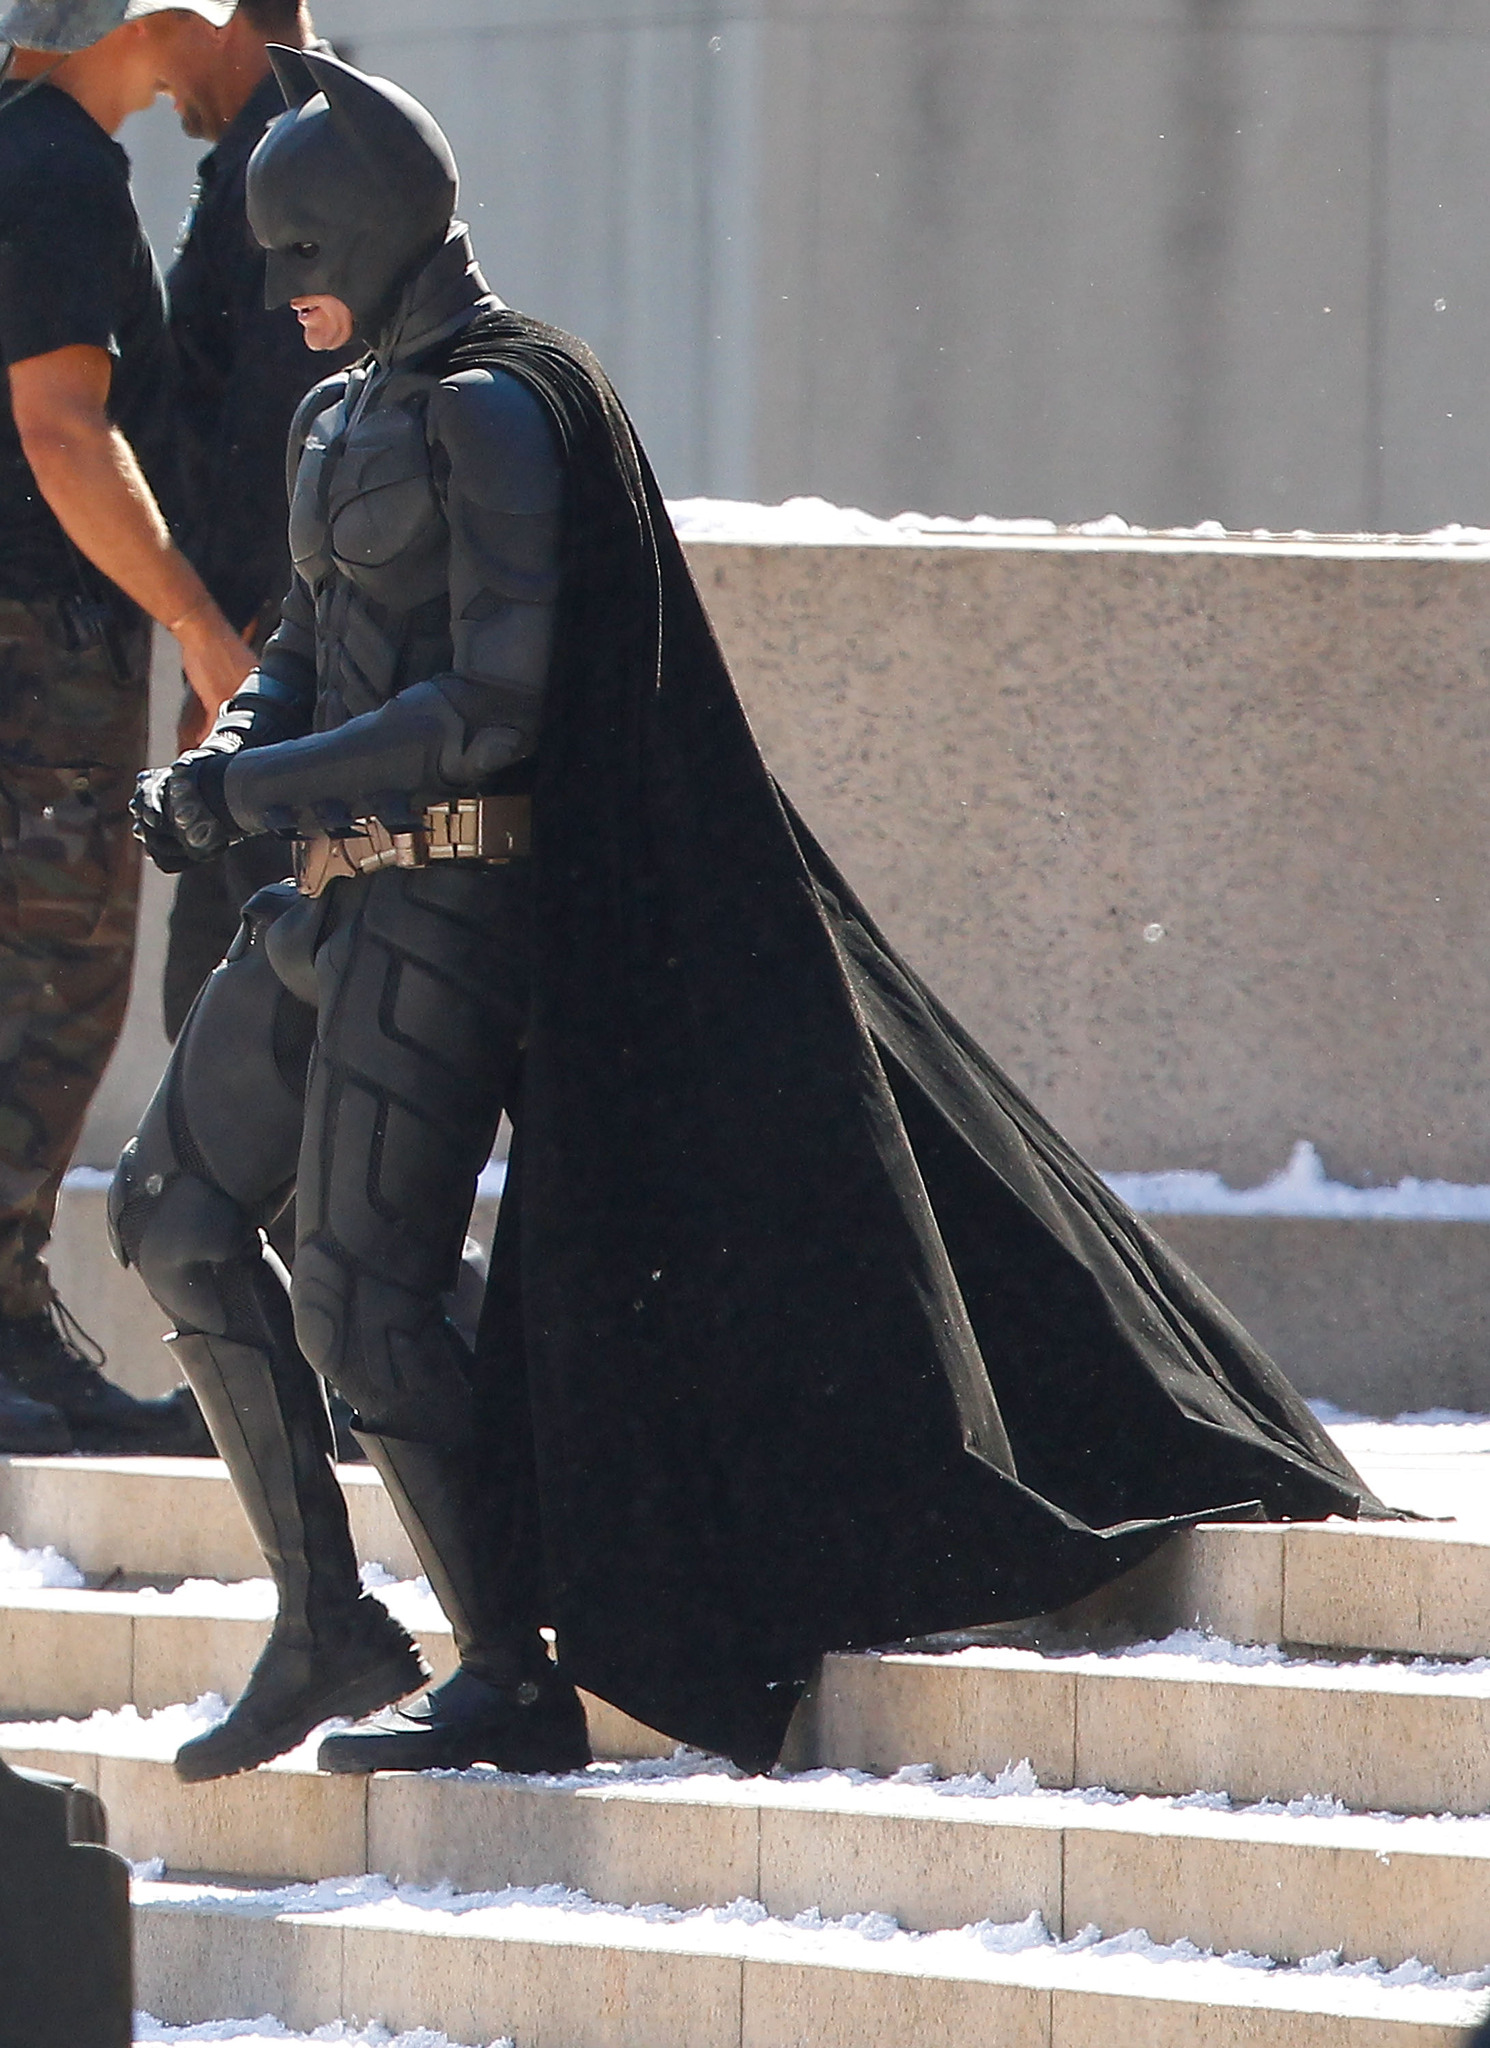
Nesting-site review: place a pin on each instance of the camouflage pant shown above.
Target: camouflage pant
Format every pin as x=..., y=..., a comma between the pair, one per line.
x=74, y=688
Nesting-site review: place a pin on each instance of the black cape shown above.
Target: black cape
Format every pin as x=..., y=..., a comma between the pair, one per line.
x=816, y=1333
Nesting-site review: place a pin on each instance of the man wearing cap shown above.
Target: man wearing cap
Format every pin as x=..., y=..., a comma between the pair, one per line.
x=86, y=560
x=242, y=370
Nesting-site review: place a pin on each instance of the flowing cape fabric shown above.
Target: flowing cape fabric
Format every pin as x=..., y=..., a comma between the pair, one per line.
x=816, y=1333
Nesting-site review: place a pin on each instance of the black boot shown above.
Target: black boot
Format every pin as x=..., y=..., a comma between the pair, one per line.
x=331, y=1651
x=28, y=1428
x=508, y=1704
x=54, y=1361
x=537, y=1724
x=347, y=1667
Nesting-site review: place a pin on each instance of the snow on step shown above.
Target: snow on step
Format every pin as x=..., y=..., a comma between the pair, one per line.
x=77, y=1652
x=267, y=2032
x=1280, y=1882
x=1436, y=1463
x=553, y=1966
x=70, y=1652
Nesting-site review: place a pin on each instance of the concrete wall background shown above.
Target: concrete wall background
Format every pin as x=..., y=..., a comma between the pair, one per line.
x=1028, y=756
x=1181, y=259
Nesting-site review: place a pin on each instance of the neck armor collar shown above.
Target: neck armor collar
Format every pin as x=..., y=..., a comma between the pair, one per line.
x=440, y=299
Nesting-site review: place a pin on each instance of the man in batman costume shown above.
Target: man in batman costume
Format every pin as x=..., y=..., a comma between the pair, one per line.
x=804, y=1330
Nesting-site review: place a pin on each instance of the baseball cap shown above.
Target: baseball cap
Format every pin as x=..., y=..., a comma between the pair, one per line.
x=62, y=26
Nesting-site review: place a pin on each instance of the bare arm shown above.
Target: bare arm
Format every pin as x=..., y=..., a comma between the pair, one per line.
x=88, y=474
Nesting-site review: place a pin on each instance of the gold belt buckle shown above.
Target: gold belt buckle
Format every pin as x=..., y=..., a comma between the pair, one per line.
x=454, y=829
x=485, y=828
x=320, y=861
x=410, y=849
x=503, y=827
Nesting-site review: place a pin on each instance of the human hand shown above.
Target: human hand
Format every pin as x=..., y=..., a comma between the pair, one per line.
x=194, y=724
x=217, y=662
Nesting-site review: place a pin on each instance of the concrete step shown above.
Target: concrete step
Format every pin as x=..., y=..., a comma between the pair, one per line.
x=1169, y=1720
x=1380, y=1736
x=169, y=1518
x=550, y=1971
x=76, y=1653
x=931, y=1855
x=1409, y=1588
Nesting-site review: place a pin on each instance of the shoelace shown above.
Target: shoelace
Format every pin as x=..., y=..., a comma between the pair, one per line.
x=87, y=1350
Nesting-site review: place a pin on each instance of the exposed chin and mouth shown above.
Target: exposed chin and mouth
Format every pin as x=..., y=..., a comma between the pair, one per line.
x=325, y=323
x=195, y=120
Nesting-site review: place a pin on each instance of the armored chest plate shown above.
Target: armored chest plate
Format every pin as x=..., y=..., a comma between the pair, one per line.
x=365, y=505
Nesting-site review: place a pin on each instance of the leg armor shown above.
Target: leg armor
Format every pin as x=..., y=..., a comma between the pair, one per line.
x=423, y=980
x=423, y=991
x=212, y=1164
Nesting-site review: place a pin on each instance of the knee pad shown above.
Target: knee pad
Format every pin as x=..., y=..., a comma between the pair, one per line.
x=177, y=1230
x=389, y=1352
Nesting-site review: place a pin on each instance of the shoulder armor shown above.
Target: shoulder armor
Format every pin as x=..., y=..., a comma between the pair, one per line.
x=320, y=398
x=500, y=443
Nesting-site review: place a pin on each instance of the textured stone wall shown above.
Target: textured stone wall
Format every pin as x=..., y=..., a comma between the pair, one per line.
x=1195, y=839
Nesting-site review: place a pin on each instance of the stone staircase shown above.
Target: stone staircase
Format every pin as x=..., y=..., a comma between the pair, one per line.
x=933, y=1864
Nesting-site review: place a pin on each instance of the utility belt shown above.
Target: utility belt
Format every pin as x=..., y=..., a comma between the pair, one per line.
x=490, y=829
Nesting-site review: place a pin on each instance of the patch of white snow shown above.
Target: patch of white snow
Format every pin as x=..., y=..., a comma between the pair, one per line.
x=1302, y=1188
x=813, y=522
x=30, y=1571
x=427, y=1906
x=263, y=2032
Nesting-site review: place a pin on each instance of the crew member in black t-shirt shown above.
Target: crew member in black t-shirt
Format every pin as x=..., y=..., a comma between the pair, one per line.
x=86, y=560
x=242, y=370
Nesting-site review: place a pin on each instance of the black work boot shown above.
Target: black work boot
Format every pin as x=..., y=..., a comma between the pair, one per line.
x=331, y=1651
x=363, y=1661
x=28, y=1428
x=54, y=1361
x=536, y=1724
x=508, y=1705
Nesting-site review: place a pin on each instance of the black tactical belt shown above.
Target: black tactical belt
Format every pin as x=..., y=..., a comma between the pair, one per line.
x=492, y=829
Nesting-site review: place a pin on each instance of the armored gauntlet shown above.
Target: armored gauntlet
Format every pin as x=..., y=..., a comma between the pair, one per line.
x=180, y=812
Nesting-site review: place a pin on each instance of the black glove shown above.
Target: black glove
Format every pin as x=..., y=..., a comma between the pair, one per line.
x=152, y=825
x=180, y=814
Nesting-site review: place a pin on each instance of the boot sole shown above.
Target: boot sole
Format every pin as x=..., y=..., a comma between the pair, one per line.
x=361, y=1755
x=57, y=1445
x=359, y=1696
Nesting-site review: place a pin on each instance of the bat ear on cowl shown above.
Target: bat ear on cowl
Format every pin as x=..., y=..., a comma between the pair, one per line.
x=400, y=140
x=296, y=79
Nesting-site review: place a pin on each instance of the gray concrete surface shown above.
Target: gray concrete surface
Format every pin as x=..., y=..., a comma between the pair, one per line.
x=1029, y=757
x=1173, y=258
x=1381, y=1318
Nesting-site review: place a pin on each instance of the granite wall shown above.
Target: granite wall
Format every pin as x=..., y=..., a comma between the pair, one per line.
x=1193, y=836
